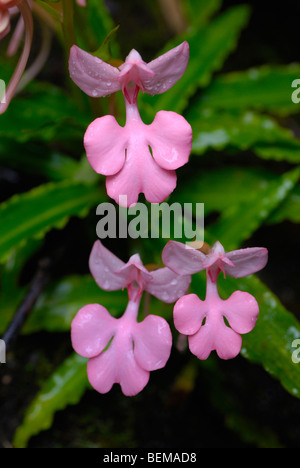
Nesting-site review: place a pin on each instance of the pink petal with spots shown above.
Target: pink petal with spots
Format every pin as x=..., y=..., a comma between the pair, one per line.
x=168, y=69
x=93, y=76
x=246, y=261
x=183, y=259
x=103, y=266
x=167, y=285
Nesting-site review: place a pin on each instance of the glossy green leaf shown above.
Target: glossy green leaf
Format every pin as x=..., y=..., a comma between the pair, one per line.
x=27, y=159
x=45, y=112
x=227, y=186
x=289, y=208
x=237, y=130
x=200, y=12
x=58, y=304
x=93, y=25
x=266, y=88
x=270, y=343
x=238, y=222
x=209, y=48
x=32, y=214
x=65, y=387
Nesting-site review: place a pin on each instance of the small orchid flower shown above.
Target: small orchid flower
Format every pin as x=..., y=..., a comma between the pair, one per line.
x=135, y=349
x=25, y=10
x=124, y=350
x=204, y=321
x=137, y=158
x=98, y=79
x=112, y=274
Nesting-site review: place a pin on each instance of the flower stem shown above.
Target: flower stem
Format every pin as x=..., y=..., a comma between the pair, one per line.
x=28, y=22
x=68, y=25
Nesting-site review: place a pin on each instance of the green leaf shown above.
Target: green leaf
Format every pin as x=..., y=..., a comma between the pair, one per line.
x=222, y=187
x=212, y=186
x=289, y=209
x=65, y=387
x=94, y=25
x=58, y=304
x=45, y=112
x=218, y=130
x=266, y=88
x=209, y=47
x=32, y=214
x=270, y=343
x=240, y=221
x=200, y=12
x=27, y=158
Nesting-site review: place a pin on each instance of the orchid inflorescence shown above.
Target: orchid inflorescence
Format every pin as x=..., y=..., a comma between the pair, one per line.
x=142, y=159
x=135, y=159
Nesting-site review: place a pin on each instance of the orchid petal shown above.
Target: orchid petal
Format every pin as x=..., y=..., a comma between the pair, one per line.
x=215, y=337
x=105, y=145
x=134, y=69
x=201, y=344
x=141, y=174
x=167, y=285
x=241, y=310
x=103, y=266
x=117, y=364
x=91, y=330
x=168, y=69
x=246, y=261
x=102, y=371
x=91, y=74
x=152, y=342
x=132, y=377
x=182, y=259
x=170, y=138
x=228, y=343
x=189, y=312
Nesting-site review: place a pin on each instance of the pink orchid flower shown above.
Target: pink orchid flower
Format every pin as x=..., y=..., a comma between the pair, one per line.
x=135, y=350
x=203, y=321
x=136, y=158
x=124, y=350
x=25, y=10
x=97, y=78
x=112, y=274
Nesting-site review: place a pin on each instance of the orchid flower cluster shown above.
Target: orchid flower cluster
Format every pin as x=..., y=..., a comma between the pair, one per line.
x=135, y=159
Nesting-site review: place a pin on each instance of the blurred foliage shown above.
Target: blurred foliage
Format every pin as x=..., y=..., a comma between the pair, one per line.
x=243, y=117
